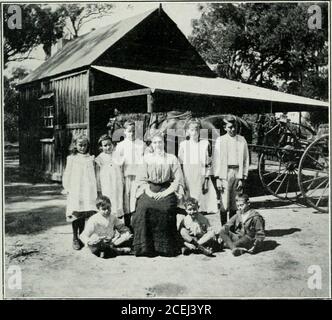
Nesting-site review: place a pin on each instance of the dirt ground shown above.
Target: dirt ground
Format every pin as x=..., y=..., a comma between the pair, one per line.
x=38, y=240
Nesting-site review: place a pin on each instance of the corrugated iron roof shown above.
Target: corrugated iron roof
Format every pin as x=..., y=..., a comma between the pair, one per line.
x=207, y=86
x=84, y=50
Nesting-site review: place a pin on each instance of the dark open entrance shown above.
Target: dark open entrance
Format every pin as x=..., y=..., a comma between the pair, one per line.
x=102, y=111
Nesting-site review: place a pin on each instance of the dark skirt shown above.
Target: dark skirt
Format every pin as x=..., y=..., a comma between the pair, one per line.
x=154, y=224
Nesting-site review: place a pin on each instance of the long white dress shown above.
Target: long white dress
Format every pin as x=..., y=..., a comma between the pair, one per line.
x=194, y=156
x=79, y=181
x=110, y=181
x=130, y=155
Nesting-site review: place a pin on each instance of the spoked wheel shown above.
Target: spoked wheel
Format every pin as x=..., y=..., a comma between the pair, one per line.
x=314, y=174
x=278, y=174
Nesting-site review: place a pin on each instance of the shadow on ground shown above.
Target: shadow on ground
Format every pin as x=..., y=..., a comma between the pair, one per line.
x=33, y=221
x=32, y=192
x=281, y=232
x=270, y=204
x=269, y=245
x=31, y=203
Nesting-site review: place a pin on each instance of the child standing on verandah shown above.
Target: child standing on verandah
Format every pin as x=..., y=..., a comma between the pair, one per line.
x=196, y=165
x=109, y=175
x=130, y=153
x=79, y=183
x=230, y=165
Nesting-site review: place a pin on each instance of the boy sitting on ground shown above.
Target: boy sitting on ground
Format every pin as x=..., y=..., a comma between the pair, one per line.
x=196, y=231
x=104, y=234
x=244, y=232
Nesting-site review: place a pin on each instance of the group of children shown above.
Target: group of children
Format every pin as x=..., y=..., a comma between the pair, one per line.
x=107, y=184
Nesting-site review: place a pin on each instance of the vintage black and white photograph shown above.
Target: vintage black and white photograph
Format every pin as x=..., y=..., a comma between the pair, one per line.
x=166, y=150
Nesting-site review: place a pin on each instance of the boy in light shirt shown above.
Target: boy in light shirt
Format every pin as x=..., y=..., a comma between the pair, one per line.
x=104, y=234
x=196, y=231
x=245, y=231
x=230, y=165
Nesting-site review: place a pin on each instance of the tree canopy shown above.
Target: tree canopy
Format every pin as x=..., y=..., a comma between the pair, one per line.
x=76, y=15
x=267, y=44
x=45, y=24
x=40, y=26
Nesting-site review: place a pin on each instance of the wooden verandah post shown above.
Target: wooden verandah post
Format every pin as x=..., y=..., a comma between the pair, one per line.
x=149, y=100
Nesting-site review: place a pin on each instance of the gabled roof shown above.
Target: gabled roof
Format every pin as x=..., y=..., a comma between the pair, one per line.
x=208, y=86
x=84, y=50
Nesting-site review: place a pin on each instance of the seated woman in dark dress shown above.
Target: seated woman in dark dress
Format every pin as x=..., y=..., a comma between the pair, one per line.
x=154, y=221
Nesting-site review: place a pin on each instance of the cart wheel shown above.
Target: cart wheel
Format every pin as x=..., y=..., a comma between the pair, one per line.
x=314, y=174
x=278, y=174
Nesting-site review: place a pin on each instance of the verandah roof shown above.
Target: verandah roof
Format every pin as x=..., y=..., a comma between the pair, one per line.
x=212, y=87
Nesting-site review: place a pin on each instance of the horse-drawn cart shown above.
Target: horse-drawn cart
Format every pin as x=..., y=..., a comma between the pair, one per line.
x=294, y=163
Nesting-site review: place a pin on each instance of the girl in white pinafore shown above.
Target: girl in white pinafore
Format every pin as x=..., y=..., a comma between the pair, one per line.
x=79, y=183
x=196, y=165
x=109, y=175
